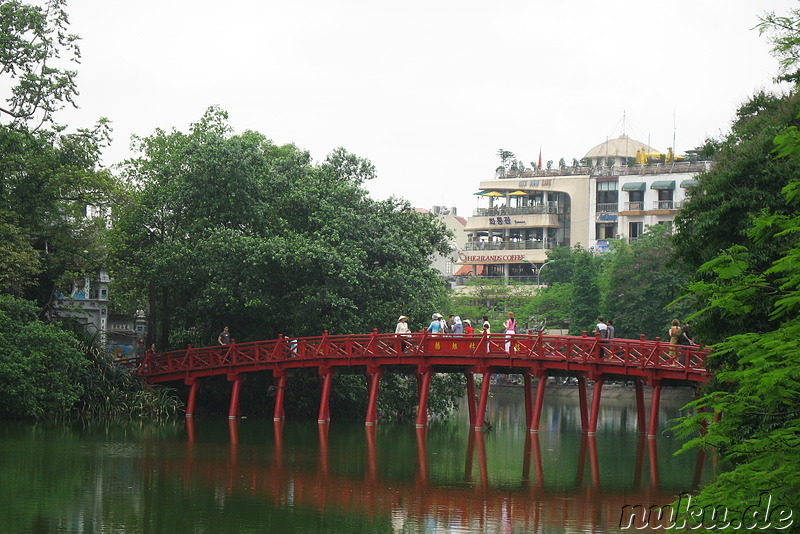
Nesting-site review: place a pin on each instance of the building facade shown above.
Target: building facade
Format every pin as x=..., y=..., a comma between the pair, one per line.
x=538, y=210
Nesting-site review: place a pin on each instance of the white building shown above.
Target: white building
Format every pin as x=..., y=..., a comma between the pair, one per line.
x=537, y=210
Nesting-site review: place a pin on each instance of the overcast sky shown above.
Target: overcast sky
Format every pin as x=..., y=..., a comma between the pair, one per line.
x=426, y=90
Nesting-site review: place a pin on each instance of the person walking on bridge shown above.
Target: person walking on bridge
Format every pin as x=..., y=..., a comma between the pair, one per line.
x=436, y=324
x=224, y=337
x=403, y=331
x=511, y=328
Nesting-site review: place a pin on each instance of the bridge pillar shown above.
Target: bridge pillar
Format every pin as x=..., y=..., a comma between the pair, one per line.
x=324, y=404
x=424, y=374
x=194, y=386
x=537, y=408
x=470, y=397
x=481, y=415
x=526, y=377
x=655, y=400
x=279, y=395
x=640, y=413
x=596, y=391
x=582, y=403
x=233, y=410
x=374, y=380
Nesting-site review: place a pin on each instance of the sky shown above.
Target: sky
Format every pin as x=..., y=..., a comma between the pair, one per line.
x=428, y=91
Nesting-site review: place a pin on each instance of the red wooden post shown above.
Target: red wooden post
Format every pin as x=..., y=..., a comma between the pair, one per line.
x=424, y=374
x=481, y=415
x=323, y=451
x=233, y=411
x=194, y=386
x=596, y=391
x=279, y=395
x=640, y=415
x=654, y=402
x=324, y=404
x=372, y=455
x=652, y=452
x=471, y=397
x=422, y=456
x=537, y=408
x=374, y=379
x=582, y=401
x=526, y=376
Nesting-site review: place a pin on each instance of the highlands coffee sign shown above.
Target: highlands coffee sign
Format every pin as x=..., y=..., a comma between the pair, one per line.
x=490, y=258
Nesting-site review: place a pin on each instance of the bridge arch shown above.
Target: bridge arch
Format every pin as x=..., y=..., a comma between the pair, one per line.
x=534, y=356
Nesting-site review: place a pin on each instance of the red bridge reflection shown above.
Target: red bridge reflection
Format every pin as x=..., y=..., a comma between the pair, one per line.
x=473, y=505
x=533, y=356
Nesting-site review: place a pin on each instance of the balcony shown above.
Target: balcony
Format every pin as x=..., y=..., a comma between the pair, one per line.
x=664, y=205
x=550, y=207
x=634, y=206
x=530, y=244
x=607, y=207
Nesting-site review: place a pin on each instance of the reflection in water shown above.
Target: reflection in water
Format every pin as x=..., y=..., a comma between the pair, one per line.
x=214, y=476
x=476, y=503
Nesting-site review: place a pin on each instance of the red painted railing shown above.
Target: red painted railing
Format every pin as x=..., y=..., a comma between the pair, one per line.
x=536, y=353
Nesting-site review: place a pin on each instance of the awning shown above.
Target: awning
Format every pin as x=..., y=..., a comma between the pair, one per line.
x=634, y=186
x=688, y=183
x=663, y=184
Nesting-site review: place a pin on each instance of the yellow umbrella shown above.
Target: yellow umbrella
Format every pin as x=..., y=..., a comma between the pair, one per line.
x=493, y=194
x=518, y=193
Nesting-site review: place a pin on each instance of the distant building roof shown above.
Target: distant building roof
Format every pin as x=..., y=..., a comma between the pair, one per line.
x=622, y=146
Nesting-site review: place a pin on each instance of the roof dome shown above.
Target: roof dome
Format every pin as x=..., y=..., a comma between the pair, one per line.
x=622, y=146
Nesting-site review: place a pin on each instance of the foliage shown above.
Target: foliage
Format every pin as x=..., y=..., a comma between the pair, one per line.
x=744, y=182
x=222, y=229
x=493, y=299
x=784, y=32
x=39, y=364
x=585, y=292
x=112, y=391
x=758, y=369
x=19, y=262
x=35, y=48
x=46, y=183
x=640, y=281
x=552, y=304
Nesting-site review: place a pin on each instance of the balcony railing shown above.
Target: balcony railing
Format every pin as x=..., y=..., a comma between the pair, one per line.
x=634, y=206
x=664, y=205
x=607, y=207
x=549, y=207
x=530, y=244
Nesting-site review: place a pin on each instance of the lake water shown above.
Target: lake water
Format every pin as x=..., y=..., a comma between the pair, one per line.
x=256, y=476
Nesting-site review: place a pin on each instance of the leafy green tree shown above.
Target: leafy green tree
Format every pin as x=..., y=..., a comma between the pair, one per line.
x=585, y=292
x=35, y=49
x=232, y=229
x=744, y=181
x=39, y=364
x=640, y=280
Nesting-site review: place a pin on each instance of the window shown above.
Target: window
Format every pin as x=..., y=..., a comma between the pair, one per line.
x=635, y=229
x=607, y=196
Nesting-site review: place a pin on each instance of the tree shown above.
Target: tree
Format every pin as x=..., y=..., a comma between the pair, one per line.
x=585, y=292
x=755, y=283
x=40, y=364
x=639, y=281
x=34, y=48
x=743, y=182
x=232, y=229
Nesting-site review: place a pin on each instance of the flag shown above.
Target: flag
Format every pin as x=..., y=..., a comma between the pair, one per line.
x=540, y=158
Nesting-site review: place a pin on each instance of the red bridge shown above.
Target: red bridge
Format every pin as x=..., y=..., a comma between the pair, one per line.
x=586, y=358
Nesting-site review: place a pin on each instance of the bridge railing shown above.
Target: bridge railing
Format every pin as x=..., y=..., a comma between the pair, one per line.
x=358, y=349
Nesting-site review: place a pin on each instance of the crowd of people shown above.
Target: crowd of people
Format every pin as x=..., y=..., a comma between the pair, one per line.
x=454, y=324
